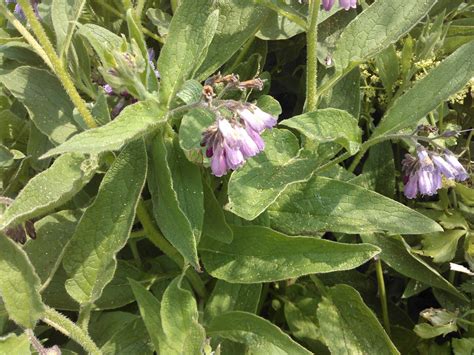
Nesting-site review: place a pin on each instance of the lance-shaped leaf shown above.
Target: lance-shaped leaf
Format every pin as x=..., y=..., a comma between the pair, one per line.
x=190, y=33
x=133, y=122
x=177, y=195
x=341, y=314
x=105, y=226
x=382, y=24
x=426, y=94
x=259, y=254
x=263, y=178
x=65, y=15
x=261, y=336
x=239, y=20
x=215, y=225
x=325, y=204
x=396, y=253
x=328, y=125
x=50, y=188
x=19, y=285
x=45, y=99
x=101, y=39
x=179, y=320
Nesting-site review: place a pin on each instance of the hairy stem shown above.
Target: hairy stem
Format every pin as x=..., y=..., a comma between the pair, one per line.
x=71, y=330
x=57, y=64
x=382, y=294
x=84, y=316
x=312, y=57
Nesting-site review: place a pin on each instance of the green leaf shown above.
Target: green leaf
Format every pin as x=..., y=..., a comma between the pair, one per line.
x=179, y=319
x=442, y=246
x=53, y=233
x=259, y=254
x=396, y=253
x=227, y=297
x=104, y=325
x=149, y=308
x=50, y=188
x=328, y=125
x=19, y=285
x=190, y=34
x=133, y=122
x=325, y=204
x=446, y=79
x=263, y=178
x=261, y=336
x=103, y=230
x=176, y=190
x=427, y=331
x=341, y=314
x=15, y=344
x=388, y=68
x=380, y=25
x=45, y=99
x=65, y=14
x=6, y=157
x=463, y=346
x=239, y=20
x=194, y=122
x=102, y=40
x=131, y=339
x=215, y=225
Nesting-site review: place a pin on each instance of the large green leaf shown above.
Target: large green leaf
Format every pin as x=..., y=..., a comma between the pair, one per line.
x=259, y=254
x=396, y=253
x=190, y=34
x=131, y=339
x=228, y=297
x=50, y=188
x=177, y=194
x=133, y=122
x=441, y=82
x=102, y=40
x=19, y=285
x=239, y=20
x=65, y=15
x=179, y=320
x=383, y=23
x=215, y=225
x=103, y=230
x=261, y=336
x=328, y=125
x=45, y=99
x=263, y=178
x=325, y=204
x=348, y=326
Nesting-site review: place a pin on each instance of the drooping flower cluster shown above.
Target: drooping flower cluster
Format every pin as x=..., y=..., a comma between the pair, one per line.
x=425, y=171
x=230, y=142
x=345, y=4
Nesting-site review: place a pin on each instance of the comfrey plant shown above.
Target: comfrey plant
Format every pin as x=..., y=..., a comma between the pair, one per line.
x=243, y=178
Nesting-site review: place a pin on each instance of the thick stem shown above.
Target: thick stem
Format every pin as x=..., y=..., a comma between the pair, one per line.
x=312, y=57
x=382, y=294
x=26, y=35
x=84, y=316
x=57, y=64
x=68, y=328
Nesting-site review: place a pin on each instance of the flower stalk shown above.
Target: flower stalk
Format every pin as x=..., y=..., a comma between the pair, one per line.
x=312, y=57
x=382, y=294
x=57, y=64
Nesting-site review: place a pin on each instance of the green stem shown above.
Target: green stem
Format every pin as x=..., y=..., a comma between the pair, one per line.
x=133, y=247
x=26, y=35
x=319, y=285
x=312, y=57
x=57, y=64
x=382, y=294
x=71, y=330
x=160, y=241
x=84, y=316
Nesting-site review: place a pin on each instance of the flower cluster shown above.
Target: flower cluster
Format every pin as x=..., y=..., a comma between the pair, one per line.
x=18, y=11
x=425, y=171
x=230, y=142
x=346, y=4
